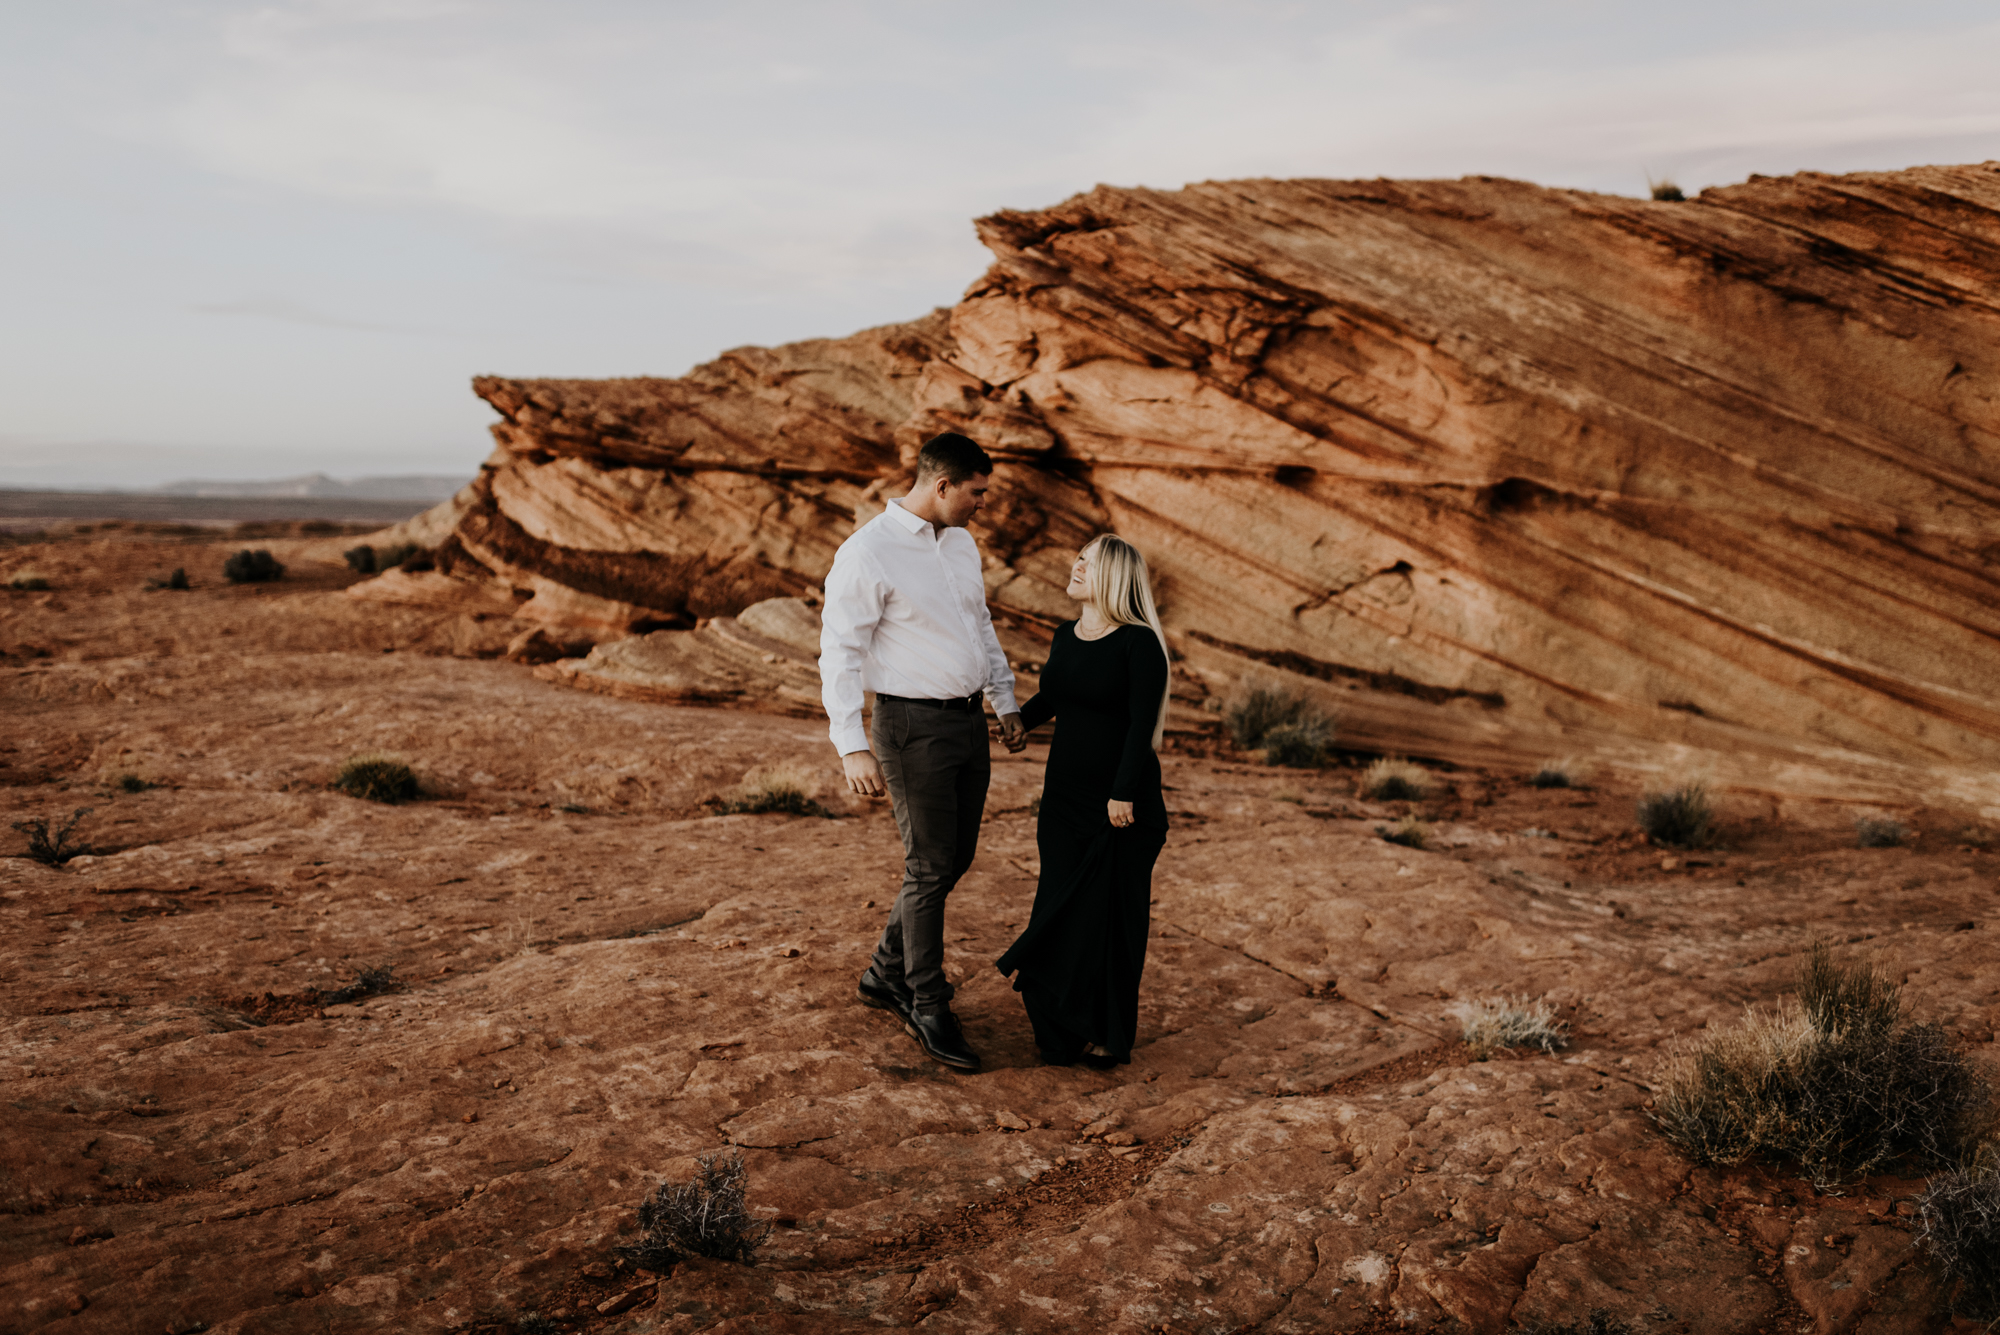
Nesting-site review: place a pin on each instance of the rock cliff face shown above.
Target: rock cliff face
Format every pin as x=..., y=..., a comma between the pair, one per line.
x=1708, y=487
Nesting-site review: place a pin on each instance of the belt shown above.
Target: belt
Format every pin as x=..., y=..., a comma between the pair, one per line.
x=969, y=703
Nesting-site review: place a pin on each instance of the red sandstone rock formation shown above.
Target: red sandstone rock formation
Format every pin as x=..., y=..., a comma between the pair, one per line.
x=1708, y=487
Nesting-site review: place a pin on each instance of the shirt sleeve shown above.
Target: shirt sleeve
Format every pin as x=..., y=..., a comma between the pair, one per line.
x=999, y=677
x=854, y=596
x=1146, y=682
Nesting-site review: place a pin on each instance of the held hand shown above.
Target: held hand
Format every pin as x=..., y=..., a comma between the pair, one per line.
x=1012, y=735
x=864, y=776
x=1119, y=812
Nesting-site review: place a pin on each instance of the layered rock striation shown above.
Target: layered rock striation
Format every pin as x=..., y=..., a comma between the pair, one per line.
x=1698, y=488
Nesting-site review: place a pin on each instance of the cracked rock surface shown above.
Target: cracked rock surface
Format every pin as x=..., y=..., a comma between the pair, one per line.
x=599, y=980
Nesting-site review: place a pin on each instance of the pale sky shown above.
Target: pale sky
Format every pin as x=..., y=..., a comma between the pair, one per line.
x=253, y=240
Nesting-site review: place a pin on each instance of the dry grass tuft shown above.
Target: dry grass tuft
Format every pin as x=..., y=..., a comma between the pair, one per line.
x=704, y=1216
x=1563, y=773
x=377, y=779
x=788, y=787
x=1513, y=1022
x=1833, y=1080
x=1958, y=1222
x=1409, y=832
x=1394, y=779
x=1681, y=817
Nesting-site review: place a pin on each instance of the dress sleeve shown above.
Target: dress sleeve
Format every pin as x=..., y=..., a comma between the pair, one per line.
x=1146, y=682
x=1042, y=706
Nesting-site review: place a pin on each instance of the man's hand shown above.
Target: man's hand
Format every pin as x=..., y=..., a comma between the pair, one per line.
x=864, y=776
x=1012, y=735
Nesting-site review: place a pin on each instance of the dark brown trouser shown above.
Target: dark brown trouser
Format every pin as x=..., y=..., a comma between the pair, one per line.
x=937, y=765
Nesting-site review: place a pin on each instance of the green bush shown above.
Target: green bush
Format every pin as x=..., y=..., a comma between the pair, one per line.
x=177, y=580
x=1667, y=192
x=248, y=567
x=28, y=583
x=1553, y=775
x=132, y=783
x=1835, y=1082
x=1679, y=818
x=377, y=779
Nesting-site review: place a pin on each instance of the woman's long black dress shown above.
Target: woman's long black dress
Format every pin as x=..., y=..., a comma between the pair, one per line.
x=1080, y=958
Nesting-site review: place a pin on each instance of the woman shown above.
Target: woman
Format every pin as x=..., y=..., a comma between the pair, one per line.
x=1103, y=822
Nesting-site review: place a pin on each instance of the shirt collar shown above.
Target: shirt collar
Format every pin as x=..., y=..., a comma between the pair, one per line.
x=911, y=524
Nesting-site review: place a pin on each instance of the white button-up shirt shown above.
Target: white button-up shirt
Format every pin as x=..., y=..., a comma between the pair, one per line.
x=906, y=615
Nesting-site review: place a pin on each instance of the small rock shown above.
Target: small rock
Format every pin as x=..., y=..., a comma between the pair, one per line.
x=1125, y=1151
x=1121, y=1138
x=624, y=1301
x=1668, y=864
x=1102, y=1126
x=787, y=952
x=470, y=1117
x=76, y=1302
x=1010, y=1120
x=597, y=1270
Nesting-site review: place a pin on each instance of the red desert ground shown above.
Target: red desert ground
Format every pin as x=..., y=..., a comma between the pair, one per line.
x=1510, y=481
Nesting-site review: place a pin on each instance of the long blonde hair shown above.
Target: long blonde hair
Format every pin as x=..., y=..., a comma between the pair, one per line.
x=1122, y=593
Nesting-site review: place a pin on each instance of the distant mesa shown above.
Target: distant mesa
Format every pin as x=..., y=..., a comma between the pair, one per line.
x=1495, y=469
x=431, y=487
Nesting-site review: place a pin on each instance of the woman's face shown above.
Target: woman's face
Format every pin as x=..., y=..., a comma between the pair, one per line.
x=1079, y=577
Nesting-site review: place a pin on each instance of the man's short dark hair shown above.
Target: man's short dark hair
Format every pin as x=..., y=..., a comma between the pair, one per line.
x=953, y=455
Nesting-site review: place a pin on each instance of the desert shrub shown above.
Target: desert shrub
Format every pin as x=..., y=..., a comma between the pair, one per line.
x=1553, y=774
x=1833, y=1080
x=704, y=1216
x=368, y=560
x=1260, y=709
x=1958, y=1222
x=248, y=567
x=132, y=783
x=376, y=779
x=1681, y=817
x=51, y=847
x=1513, y=1022
x=1409, y=832
x=1300, y=745
x=788, y=788
x=1871, y=833
x=1393, y=779
x=28, y=583
x=534, y=1323
x=178, y=579
x=1667, y=192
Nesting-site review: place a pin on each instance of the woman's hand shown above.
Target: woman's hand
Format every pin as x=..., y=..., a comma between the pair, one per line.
x=1119, y=812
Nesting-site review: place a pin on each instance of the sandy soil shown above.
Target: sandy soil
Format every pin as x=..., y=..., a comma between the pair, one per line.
x=598, y=979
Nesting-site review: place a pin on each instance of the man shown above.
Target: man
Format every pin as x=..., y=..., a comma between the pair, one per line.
x=906, y=618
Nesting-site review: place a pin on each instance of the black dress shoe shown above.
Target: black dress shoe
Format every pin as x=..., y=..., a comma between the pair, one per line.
x=883, y=995
x=937, y=1033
